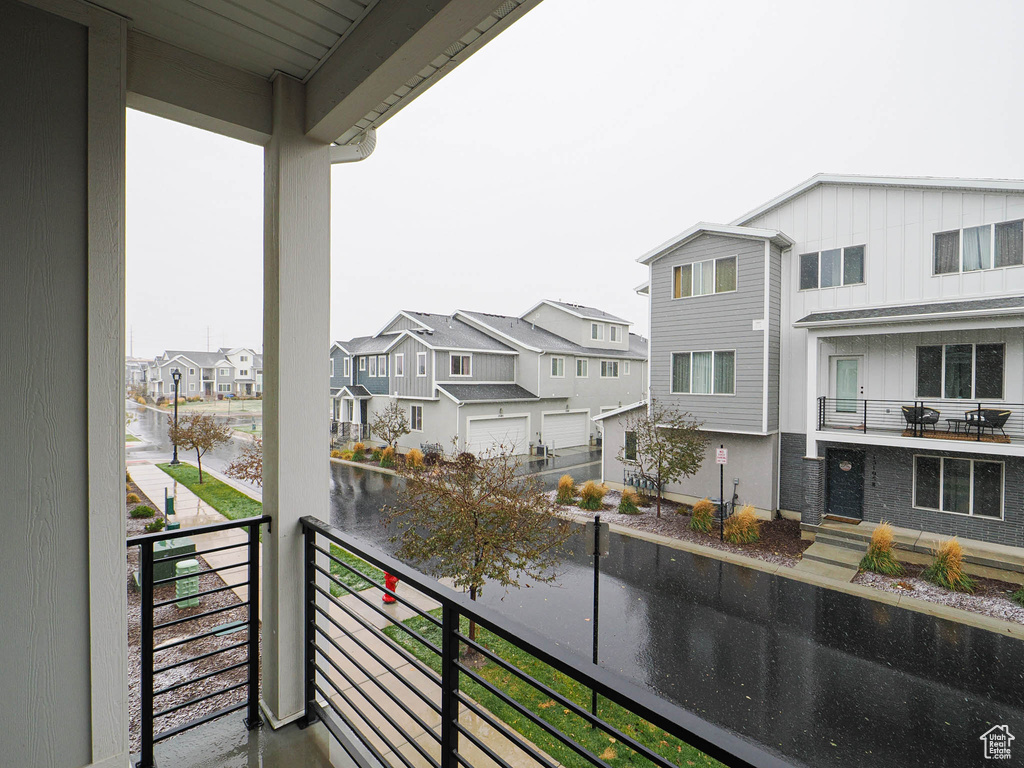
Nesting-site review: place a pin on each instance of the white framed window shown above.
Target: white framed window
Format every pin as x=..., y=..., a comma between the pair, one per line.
x=332, y=367
x=629, y=446
x=400, y=365
x=609, y=369
x=382, y=365
x=989, y=246
x=557, y=367
x=223, y=387
x=625, y=367
x=582, y=366
x=704, y=277
x=191, y=386
x=704, y=373
x=223, y=371
x=243, y=358
x=346, y=367
x=362, y=363
x=421, y=363
x=373, y=367
x=462, y=365
x=831, y=268
x=416, y=418
x=614, y=333
x=597, y=331
x=961, y=371
x=191, y=371
x=244, y=372
x=959, y=486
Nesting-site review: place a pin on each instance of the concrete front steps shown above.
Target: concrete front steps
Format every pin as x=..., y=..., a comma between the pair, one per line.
x=836, y=557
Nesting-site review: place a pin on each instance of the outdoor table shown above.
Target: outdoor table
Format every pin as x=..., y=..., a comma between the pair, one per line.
x=955, y=424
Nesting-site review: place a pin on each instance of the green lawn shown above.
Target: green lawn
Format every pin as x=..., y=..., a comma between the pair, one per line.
x=231, y=503
x=597, y=741
x=130, y=438
x=344, y=574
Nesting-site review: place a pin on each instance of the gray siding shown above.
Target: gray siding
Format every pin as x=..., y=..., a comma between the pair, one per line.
x=45, y=701
x=791, y=471
x=719, y=321
x=339, y=379
x=486, y=367
x=402, y=323
x=377, y=385
x=411, y=385
x=774, y=335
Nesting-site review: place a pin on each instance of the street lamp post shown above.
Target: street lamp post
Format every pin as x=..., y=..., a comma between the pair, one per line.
x=176, y=375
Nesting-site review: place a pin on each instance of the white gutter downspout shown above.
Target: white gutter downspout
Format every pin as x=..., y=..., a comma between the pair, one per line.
x=353, y=153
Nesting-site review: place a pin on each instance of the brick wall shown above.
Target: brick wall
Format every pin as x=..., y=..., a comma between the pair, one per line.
x=791, y=471
x=813, y=490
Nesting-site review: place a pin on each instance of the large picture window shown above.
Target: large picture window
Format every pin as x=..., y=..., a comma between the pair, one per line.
x=704, y=373
x=828, y=269
x=989, y=246
x=704, y=277
x=959, y=486
x=961, y=371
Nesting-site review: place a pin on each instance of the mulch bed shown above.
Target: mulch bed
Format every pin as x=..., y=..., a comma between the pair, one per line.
x=188, y=671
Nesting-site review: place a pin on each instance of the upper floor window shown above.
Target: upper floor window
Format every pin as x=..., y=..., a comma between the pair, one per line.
x=244, y=372
x=557, y=367
x=421, y=363
x=609, y=369
x=828, y=269
x=582, y=366
x=373, y=367
x=347, y=367
x=382, y=365
x=332, y=366
x=704, y=277
x=986, y=247
x=362, y=363
x=704, y=373
x=399, y=365
x=597, y=331
x=960, y=371
x=614, y=333
x=243, y=358
x=462, y=365
x=625, y=367
x=223, y=371
x=191, y=371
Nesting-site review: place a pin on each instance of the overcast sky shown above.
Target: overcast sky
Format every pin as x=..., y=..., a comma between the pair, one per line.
x=583, y=136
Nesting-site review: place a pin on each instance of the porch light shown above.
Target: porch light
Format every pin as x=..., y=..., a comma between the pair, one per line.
x=176, y=375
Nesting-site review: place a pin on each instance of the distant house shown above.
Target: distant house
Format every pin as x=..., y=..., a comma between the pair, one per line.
x=226, y=372
x=480, y=381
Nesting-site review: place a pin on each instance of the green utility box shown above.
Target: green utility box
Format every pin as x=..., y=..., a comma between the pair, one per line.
x=164, y=569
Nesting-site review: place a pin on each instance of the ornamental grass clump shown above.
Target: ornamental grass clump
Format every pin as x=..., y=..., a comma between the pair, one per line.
x=879, y=557
x=947, y=568
x=592, y=496
x=377, y=453
x=743, y=527
x=630, y=503
x=143, y=511
x=414, y=458
x=132, y=498
x=566, y=490
x=1018, y=597
x=387, y=457
x=336, y=454
x=346, y=455
x=702, y=517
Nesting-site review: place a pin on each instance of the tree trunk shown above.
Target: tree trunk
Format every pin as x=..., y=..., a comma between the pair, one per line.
x=657, y=489
x=199, y=464
x=472, y=624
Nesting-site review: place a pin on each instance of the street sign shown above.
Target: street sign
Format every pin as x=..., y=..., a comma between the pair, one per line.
x=603, y=536
x=721, y=455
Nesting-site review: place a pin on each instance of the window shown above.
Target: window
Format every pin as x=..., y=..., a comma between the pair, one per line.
x=975, y=248
x=557, y=367
x=625, y=367
x=614, y=333
x=399, y=365
x=960, y=371
x=421, y=363
x=704, y=373
x=704, y=277
x=362, y=363
x=609, y=369
x=597, y=331
x=243, y=358
x=416, y=417
x=960, y=486
x=462, y=365
x=223, y=371
x=223, y=387
x=582, y=366
x=244, y=372
x=191, y=371
x=347, y=367
x=629, y=452
x=192, y=386
x=382, y=365
x=332, y=367
x=835, y=267
x=373, y=367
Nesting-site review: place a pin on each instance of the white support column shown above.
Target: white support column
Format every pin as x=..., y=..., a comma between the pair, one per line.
x=296, y=337
x=812, y=362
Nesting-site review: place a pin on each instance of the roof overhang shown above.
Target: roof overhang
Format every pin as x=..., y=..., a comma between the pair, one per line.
x=619, y=411
x=347, y=391
x=726, y=230
x=574, y=313
x=923, y=313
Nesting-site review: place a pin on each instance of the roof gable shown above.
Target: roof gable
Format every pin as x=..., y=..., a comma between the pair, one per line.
x=707, y=228
x=578, y=310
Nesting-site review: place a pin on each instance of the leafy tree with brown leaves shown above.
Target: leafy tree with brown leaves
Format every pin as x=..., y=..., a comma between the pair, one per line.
x=667, y=443
x=477, y=521
x=249, y=464
x=391, y=423
x=198, y=432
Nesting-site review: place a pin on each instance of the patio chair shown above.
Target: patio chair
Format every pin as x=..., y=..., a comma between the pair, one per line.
x=919, y=416
x=988, y=418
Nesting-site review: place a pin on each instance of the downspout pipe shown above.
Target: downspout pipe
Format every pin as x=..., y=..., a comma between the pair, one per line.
x=353, y=153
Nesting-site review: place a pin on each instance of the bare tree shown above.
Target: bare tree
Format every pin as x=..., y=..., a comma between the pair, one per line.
x=198, y=432
x=391, y=424
x=249, y=464
x=477, y=521
x=667, y=445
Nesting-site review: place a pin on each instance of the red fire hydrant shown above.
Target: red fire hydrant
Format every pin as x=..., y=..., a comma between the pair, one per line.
x=391, y=582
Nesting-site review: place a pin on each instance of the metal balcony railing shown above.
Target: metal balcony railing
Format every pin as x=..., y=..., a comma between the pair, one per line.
x=162, y=630
x=994, y=422
x=383, y=715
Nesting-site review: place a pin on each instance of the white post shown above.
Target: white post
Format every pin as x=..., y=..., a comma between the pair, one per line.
x=812, y=362
x=296, y=338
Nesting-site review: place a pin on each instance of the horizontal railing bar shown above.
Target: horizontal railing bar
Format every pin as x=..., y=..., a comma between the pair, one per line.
x=202, y=594
x=214, y=612
x=185, y=556
x=193, y=723
x=482, y=746
x=244, y=522
x=172, y=579
x=193, y=680
x=349, y=566
x=190, y=639
x=345, y=739
x=198, y=699
x=200, y=657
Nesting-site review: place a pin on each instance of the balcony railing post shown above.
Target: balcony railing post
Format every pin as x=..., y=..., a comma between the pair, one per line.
x=146, y=704
x=449, y=687
x=252, y=719
x=978, y=424
x=865, y=416
x=309, y=595
x=821, y=413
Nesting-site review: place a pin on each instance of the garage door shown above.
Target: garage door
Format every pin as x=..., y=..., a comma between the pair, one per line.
x=488, y=434
x=565, y=430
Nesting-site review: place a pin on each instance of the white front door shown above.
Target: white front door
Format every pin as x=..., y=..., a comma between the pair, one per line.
x=847, y=388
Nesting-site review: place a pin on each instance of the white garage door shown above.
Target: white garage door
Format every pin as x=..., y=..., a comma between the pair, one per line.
x=488, y=434
x=565, y=430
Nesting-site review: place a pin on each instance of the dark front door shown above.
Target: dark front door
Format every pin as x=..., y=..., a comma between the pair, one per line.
x=362, y=411
x=844, y=495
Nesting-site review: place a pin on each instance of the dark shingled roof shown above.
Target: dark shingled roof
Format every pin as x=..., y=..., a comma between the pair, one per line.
x=451, y=333
x=369, y=345
x=468, y=393
x=591, y=313
x=913, y=310
x=536, y=337
x=357, y=390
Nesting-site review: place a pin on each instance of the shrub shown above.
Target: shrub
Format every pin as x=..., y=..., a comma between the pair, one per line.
x=947, y=570
x=431, y=458
x=628, y=505
x=566, y=489
x=377, y=453
x=1018, y=597
x=127, y=476
x=879, y=557
x=142, y=511
x=358, y=448
x=465, y=460
x=414, y=458
x=140, y=400
x=133, y=498
x=387, y=457
x=592, y=496
x=702, y=518
x=161, y=400
x=346, y=455
x=127, y=488
x=156, y=525
x=743, y=527
x=336, y=454
x=358, y=455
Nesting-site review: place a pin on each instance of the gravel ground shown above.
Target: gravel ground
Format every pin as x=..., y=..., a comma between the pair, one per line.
x=182, y=652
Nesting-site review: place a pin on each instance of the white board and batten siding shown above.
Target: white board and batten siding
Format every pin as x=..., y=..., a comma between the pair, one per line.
x=490, y=434
x=565, y=430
